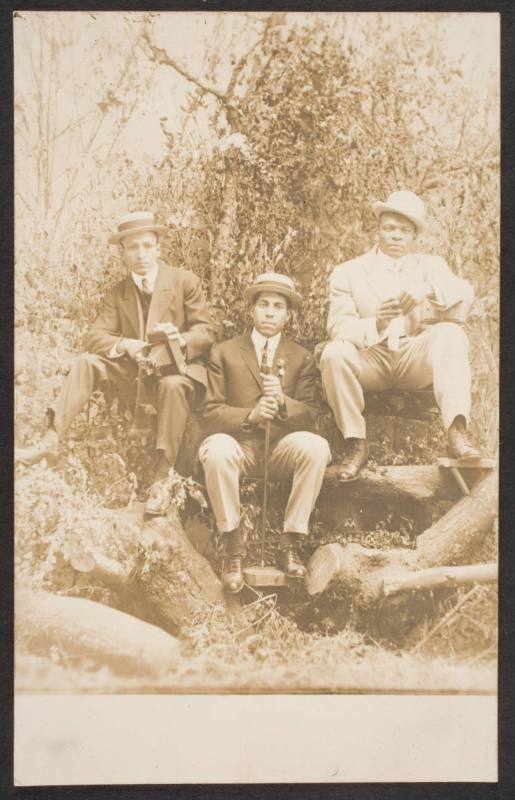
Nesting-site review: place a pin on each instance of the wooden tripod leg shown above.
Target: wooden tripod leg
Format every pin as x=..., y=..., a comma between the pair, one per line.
x=458, y=477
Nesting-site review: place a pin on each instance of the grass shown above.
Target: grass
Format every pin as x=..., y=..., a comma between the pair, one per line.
x=270, y=656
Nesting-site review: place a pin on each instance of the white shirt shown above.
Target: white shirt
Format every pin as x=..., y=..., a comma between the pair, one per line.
x=150, y=278
x=258, y=340
x=396, y=328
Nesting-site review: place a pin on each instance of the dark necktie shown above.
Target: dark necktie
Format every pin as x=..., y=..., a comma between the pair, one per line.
x=145, y=287
x=265, y=368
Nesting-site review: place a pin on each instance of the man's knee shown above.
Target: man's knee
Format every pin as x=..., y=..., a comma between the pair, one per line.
x=87, y=361
x=175, y=385
x=450, y=336
x=312, y=447
x=218, y=450
x=338, y=352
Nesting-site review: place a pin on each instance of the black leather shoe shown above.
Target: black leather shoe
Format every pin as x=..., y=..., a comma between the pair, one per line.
x=289, y=562
x=458, y=443
x=233, y=579
x=354, y=461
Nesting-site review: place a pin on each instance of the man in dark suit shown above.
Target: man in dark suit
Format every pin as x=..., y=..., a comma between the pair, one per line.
x=152, y=294
x=240, y=400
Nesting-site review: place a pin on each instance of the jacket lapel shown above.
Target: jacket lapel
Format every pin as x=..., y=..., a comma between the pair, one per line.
x=249, y=357
x=281, y=353
x=375, y=276
x=131, y=307
x=161, y=297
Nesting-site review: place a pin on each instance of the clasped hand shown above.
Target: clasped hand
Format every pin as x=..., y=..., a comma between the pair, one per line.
x=265, y=409
x=402, y=304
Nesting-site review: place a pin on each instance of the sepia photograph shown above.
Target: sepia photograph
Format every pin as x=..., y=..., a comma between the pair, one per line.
x=257, y=269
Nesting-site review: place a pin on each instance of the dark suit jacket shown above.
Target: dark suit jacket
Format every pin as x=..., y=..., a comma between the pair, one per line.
x=234, y=387
x=177, y=298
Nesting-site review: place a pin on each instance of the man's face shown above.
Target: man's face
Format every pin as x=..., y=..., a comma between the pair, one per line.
x=396, y=234
x=140, y=251
x=270, y=313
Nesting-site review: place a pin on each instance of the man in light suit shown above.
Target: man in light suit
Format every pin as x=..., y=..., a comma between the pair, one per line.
x=240, y=399
x=153, y=293
x=395, y=319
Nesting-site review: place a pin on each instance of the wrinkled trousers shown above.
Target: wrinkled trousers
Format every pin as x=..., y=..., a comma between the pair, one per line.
x=302, y=456
x=175, y=394
x=438, y=356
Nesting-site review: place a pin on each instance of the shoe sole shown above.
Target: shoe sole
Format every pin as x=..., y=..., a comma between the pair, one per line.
x=347, y=480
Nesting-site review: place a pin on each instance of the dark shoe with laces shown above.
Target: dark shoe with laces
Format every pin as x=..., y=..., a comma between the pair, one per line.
x=288, y=561
x=233, y=579
x=459, y=444
x=354, y=461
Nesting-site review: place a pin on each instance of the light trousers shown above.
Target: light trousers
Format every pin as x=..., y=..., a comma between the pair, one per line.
x=301, y=455
x=438, y=356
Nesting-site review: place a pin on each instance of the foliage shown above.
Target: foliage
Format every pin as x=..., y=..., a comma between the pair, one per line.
x=322, y=120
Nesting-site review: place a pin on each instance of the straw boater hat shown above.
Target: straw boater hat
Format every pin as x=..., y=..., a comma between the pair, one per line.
x=408, y=204
x=136, y=222
x=274, y=282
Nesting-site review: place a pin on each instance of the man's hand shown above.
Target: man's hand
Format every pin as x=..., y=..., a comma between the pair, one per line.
x=388, y=310
x=272, y=388
x=131, y=347
x=408, y=300
x=266, y=408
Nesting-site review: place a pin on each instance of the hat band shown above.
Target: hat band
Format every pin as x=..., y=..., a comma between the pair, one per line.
x=136, y=223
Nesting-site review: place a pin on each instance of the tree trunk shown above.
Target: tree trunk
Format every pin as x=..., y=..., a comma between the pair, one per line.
x=224, y=243
x=171, y=584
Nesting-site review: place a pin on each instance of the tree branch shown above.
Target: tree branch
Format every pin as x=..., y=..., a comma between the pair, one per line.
x=160, y=55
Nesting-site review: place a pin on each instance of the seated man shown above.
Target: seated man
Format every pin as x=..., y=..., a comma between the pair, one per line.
x=152, y=294
x=240, y=400
x=395, y=320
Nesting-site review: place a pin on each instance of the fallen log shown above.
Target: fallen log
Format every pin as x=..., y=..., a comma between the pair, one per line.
x=170, y=584
x=82, y=629
x=419, y=493
x=435, y=577
x=423, y=483
x=363, y=573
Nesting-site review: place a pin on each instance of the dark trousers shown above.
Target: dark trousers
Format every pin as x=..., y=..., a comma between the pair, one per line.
x=175, y=394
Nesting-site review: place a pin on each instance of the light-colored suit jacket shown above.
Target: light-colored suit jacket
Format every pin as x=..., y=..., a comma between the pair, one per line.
x=177, y=298
x=235, y=385
x=359, y=286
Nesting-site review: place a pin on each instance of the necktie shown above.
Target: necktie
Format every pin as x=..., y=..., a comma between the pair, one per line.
x=265, y=367
x=145, y=287
x=396, y=327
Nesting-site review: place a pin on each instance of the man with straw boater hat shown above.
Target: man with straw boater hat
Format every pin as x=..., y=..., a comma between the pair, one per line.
x=256, y=380
x=153, y=332
x=395, y=319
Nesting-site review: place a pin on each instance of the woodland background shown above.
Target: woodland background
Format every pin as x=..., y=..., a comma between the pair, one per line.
x=260, y=140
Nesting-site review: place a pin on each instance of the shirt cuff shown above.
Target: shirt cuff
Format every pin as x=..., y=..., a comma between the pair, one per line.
x=114, y=353
x=438, y=298
x=372, y=335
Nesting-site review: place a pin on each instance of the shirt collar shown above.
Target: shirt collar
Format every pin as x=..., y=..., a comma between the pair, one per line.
x=258, y=340
x=150, y=276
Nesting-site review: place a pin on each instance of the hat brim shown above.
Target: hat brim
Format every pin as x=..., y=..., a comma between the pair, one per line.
x=118, y=236
x=383, y=208
x=251, y=292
